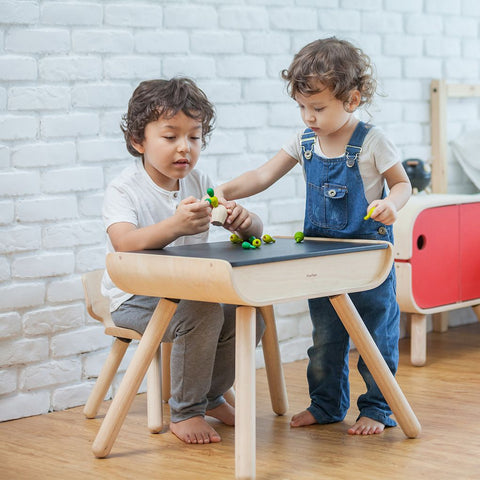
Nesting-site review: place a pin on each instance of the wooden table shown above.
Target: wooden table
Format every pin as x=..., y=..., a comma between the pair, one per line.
x=226, y=273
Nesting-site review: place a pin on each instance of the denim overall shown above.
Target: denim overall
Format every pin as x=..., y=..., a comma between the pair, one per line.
x=335, y=207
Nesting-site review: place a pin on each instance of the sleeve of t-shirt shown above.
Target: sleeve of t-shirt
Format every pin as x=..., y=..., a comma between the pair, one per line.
x=293, y=147
x=384, y=151
x=118, y=207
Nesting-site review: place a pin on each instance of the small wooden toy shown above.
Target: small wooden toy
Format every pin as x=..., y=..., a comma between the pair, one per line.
x=256, y=242
x=369, y=214
x=268, y=239
x=246, y=245
x=219, y=212
x=299, y=236
x=234, y=238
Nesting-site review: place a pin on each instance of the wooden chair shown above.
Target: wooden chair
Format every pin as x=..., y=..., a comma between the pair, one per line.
x=158, y=381
x=158, y=378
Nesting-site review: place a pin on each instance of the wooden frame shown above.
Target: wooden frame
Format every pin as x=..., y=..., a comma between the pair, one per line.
x=440, y=92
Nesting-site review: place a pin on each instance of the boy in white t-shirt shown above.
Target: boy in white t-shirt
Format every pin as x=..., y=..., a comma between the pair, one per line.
x=158, y=202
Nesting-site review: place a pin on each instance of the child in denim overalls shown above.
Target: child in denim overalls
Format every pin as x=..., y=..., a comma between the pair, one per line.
x=346, y=164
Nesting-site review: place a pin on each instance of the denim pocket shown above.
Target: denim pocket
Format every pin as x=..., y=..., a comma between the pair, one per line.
x=328, y=205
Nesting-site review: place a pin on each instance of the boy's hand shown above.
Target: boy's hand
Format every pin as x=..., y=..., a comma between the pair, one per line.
x=239, y=218
x=193, y=216
x=385, y=211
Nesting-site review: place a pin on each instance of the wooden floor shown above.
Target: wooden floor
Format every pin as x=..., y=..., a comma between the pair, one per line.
x=445, y=395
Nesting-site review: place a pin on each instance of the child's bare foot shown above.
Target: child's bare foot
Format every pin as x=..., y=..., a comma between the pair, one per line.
x=194, y=430
x=224, y=412
x=366, y=426
x=302, y=419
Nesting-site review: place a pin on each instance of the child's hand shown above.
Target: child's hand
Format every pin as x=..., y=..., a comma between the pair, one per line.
x=385, y=211
x=193, y=216
x=238, y=219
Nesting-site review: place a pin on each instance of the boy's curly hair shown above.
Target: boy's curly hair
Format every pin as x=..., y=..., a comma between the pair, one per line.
x=153, y=99
x=334, y=64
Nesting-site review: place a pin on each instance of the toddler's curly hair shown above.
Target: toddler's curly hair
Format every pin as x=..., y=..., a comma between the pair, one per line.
x=153, y=99
x=331, y=63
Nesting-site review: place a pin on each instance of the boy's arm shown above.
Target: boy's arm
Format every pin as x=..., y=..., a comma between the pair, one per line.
x=400, y=191
x=191, y=217
x=255, y=181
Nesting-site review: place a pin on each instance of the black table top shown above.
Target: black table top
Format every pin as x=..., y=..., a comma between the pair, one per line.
x=283, y=249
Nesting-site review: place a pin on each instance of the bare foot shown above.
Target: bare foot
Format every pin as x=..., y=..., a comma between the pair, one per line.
x=194, y=430
x=302, y=419
x=224, y=412
x=366, y=426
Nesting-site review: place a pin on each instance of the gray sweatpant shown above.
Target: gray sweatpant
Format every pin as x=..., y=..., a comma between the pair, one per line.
x=203, y=352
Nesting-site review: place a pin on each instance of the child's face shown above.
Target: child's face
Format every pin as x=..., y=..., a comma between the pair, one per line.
x=322, y=112
x=171, y=149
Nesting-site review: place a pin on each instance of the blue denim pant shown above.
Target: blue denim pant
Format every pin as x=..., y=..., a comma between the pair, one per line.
x=335, y=207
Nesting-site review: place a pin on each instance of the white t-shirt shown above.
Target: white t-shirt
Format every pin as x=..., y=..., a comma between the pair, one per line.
x=134, y=197
x=377, y=156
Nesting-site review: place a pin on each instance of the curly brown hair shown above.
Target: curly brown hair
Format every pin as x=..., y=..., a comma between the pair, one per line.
x=334, y=64
x=153, y=99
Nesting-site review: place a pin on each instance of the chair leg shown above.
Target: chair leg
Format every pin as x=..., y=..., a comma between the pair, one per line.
x=273, y=362
x=166, y=349
x=154, y=395
x=104, y=380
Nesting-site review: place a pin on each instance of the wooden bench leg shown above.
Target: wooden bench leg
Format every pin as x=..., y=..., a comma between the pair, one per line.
x=273, y=362
x=133, y=377
x=372, y=357
x=105, y=379
x=418, y=339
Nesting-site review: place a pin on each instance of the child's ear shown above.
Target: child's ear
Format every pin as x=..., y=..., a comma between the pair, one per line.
x=137, y=146
x=354, y=101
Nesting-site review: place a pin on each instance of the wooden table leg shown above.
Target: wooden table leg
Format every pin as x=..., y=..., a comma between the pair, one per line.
x=245, y=439
x=273, y=363
x=133, y=377
x=370, y=353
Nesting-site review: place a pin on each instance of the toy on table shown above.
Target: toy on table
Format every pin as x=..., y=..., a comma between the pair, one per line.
x=219, y=212
x=299, y=236
x=268, y=239
x=234, y=238
x=369, y=214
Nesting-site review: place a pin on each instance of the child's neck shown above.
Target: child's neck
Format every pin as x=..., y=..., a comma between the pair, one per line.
x=333, y=145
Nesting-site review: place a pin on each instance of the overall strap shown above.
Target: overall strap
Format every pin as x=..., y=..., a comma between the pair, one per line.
x=354, y=147
x=307, y=143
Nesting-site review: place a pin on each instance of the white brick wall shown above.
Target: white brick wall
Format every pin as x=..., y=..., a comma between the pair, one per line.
x=67, y=69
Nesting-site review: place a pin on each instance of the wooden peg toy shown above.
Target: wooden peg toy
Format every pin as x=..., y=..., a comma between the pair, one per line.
x=219, y=212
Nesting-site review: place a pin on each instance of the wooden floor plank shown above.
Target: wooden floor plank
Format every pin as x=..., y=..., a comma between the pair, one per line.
x=445, y=395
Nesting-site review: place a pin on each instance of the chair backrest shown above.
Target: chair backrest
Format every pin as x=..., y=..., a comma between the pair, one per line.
x=97, y=305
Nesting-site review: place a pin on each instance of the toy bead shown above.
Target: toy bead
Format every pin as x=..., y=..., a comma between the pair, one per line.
x=251, y=239
x=234, y=238
x=214, y=201
x=257, y=242
x=210, y=192
x=247, y=245
x=299, y=236
x=268, y=239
